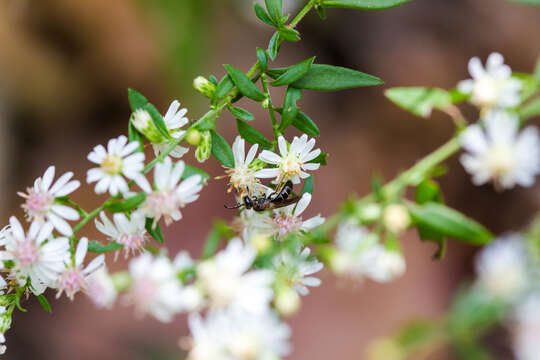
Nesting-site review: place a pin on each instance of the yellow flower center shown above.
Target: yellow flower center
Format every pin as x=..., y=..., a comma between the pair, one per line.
x=291, y=165
x=112, y=164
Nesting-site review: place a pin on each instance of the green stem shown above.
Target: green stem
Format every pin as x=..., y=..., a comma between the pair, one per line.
x=302, y=13
x=270, y=108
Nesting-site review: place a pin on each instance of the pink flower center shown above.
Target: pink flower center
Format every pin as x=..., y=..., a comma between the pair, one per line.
x=132, y=242
x=287, y=224
x=27, y=253
x=163, y=203
x=37, y=204
x=72, y=281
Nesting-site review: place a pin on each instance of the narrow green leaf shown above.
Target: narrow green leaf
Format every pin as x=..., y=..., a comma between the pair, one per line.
x=126, y=205
x=262, y=15
x=527, y=2
x=429, y=191
x=136, y=99
x=154, y=230
x=44, y=303
x=419, y=100
x=223, y=88
x=213, y=80
x=331, y=78
x=537, y=68
x=192, y=170
x=241, y=113
x=450, y=222
x=530, y=110
x=157, y=119
x=363, y=4
x=135, y=135
x=321, y=12
x=294, y=73
x=263, y=60
x=275, y=10
x=252, y=135
x=303, y=123
x=211, y=244
x=291, y=35
x=96, y=247
x=290, y=110
x=273, y=45
x=221, y=150
x=308, y=186
x=244, y=84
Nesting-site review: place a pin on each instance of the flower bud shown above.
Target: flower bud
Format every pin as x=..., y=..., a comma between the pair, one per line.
x=265, y=104
x=204, y=86
x=193, y=137
x=287, y=301
x=370, y=213
x=205, y=147
x=396, y=218
x=386, y=349
x=340, y=262
x=261, y=242
x=142, y=121
x=121, y=280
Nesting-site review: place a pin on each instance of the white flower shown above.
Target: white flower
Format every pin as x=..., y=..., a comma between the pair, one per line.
x=131, y=233
x=3, y=347
x=169, y=196
x=174, y=119
x=288, y=219
x=75, y=276
x=156, y=290
x=120, y=158
x=242, y=177
x=293, y=162
x=40, y=203
x=295, y=268
x=236, y=335
x=502, y=268
x=501, y=154
x=227, y=281
x=352, y=243
x=100, y=288
x=526, y=342
x=492, y=86
x=383, y=265
x=396, y=218
x=254, y=226
x=34, y=258
x=182, y=261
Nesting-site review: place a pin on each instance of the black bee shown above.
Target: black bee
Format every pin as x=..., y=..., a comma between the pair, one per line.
x=273, y=201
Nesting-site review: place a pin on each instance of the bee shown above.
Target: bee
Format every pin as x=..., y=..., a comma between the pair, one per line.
x=275, y=200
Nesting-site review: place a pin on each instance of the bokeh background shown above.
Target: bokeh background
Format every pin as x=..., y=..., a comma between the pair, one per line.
x=65, y=66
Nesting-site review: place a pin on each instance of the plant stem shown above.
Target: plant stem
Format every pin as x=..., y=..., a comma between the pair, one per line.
x=302, y=13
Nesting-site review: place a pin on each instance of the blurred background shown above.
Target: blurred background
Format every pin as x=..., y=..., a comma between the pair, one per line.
x=64, y=69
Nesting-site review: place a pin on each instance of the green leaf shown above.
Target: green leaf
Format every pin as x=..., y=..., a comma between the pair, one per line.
x=290, y=110
x=363, y=4
x=44, y=303
x=429, y=191
x=275, y=10
x=450, y=222
x=126, y=205
x=321, y=12
x=154, y=230
x=221, y=150
x=136, y=99
x=223, y=88
x=135, y=135
x=263, y=60
x=308, y=186
x=241, y=113
x=211, y=244
x=273, y=45
x=529, y=85
x=252, y=135
x=537, y=68
x=291, y=35
x=527, y=2
x=96, y=247
x=262, y=15
x=213, y=80
x=419, y=100
x=192, y=170
x=157, y=119
x=331, y=78
x=294, y=73
x=530, y=110
x=303, y=123
x=244, y=84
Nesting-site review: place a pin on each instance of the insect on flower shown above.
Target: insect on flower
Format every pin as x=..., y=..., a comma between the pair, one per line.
x=275, y=200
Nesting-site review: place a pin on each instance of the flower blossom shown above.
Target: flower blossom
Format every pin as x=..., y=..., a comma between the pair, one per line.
x=118, y=160
x=501, y=154
x=288, y=219
x=526, y=342
x=174, y=119
x=242, y=177
x=40, y=205
x=293, y=162
x=383, y=265
x=492, y=86
x=128, y=232
x=100, y=288
x=295, y=268
x=352, y=243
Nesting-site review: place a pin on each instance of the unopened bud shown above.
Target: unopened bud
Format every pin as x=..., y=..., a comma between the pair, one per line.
x=204, y=86
x=205, y=147
x=266, y=103
x=370, y=213
x=142, y=121
x=193, y=137
x=340, y=262
x=396, y=218
x=261, y=242
x=385, y=349
x=121, y=280
x=287, y=302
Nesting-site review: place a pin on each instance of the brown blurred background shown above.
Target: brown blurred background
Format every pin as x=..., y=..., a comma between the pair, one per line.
x=64, y=69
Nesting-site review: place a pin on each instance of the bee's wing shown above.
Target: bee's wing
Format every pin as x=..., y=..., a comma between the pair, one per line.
x=283, y=203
